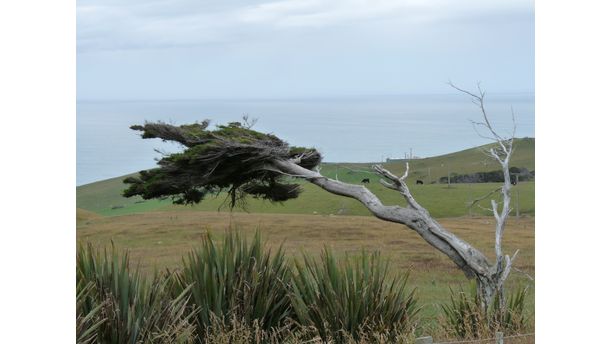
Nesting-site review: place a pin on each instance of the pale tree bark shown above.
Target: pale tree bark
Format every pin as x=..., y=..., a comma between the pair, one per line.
x=490, y=277
x=501, y=153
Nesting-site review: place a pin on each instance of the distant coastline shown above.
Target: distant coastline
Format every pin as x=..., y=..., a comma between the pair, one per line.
x=350, y=128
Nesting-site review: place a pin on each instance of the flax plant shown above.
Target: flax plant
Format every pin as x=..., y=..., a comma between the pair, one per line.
x=236, y=281
x=352, y=298
x=463, y=317
x=126, y=307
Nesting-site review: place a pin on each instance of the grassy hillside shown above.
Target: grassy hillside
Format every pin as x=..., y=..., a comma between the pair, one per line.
x=159, y=233
x=85, y=216
x=467, y=161
x=442, y=201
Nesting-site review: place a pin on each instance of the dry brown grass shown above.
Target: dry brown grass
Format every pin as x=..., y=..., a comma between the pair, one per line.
x=160, y=239
x=83, y=216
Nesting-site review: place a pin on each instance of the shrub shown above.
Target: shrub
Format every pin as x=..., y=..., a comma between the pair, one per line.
x=88, y=320
x=238, y=292
x=116, y=305
x=465, y=318
x=512, y=318
x=352, y=299
x=236, y=281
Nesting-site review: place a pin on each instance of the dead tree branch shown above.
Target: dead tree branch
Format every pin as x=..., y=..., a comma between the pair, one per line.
x=501, y=153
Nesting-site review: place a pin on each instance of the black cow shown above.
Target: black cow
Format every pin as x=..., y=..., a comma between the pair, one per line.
x=419, y=182
x=365, y=180
x=514, y=180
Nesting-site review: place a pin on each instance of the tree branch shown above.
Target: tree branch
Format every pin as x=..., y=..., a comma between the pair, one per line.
x=466, y=257
x=501, y=154
x=483, y=197
x=399, y=185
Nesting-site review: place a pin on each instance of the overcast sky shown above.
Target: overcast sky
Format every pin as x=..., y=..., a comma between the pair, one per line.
x=187, y=49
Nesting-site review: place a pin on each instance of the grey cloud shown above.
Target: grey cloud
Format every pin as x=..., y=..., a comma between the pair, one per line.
x=117, y=25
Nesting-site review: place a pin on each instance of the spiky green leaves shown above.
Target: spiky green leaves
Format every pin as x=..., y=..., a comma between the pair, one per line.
x=352, y=297
x=232, y=283
x=117, y=305
x=231, y=158
x=237, y=280
x=465, y=317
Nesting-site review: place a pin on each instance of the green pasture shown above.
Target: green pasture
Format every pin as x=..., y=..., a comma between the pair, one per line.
x=442, y=200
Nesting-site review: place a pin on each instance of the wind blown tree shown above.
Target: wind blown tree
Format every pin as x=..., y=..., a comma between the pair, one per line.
x=236, y=159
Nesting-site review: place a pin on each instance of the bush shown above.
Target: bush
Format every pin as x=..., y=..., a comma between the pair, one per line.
x=465, y=318
x=489, y=177
x=352, y=300
x=236, y=282
x=116, y=305
x=238, y=292
x=88, y=319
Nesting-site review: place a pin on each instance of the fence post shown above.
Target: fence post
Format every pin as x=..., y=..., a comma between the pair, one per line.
x=424, y=340
x=499, y=338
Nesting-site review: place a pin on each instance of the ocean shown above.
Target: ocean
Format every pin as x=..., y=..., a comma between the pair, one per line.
x=344, y=129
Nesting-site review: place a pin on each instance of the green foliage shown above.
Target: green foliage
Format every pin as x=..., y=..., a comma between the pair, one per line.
x=512, y=318
x=238, y=292
x=496, y=176
x=229, y=158
x=463, y=315
x=88, y=319
x=352, y=298
x=116, y=305
x=465, y=318
x=236, y=281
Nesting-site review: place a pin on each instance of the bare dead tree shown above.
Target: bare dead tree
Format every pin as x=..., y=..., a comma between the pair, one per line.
x=490, y=277
x=501, y=153
x=246, y=162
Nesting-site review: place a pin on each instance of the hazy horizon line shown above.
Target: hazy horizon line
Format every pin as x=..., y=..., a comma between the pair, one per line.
x=304, y=97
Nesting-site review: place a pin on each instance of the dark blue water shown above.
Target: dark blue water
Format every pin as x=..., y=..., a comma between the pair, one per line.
x=350, y=129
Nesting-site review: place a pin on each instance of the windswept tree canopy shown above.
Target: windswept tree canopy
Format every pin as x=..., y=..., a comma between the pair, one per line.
x=246, y=162
x=232, y=158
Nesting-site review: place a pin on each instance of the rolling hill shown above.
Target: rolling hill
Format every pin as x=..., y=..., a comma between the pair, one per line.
x=104, y=197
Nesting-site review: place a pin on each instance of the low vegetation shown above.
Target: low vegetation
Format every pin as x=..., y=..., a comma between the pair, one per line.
x=238, y=291
x=517, y=175
x=159, y=240
x=464, y=317
x=230, y=290
x=354, y=298
x=236, y=280
x=116, y=304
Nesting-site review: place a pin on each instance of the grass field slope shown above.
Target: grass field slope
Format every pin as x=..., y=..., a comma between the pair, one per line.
x=104, y=197
x=157, y=241
x=158, y=233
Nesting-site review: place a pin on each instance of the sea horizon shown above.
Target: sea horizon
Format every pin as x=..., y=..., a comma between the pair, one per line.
x=345, y=128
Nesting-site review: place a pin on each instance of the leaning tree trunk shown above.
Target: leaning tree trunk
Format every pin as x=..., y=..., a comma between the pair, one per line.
x=471, y=261
x=490, y=277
